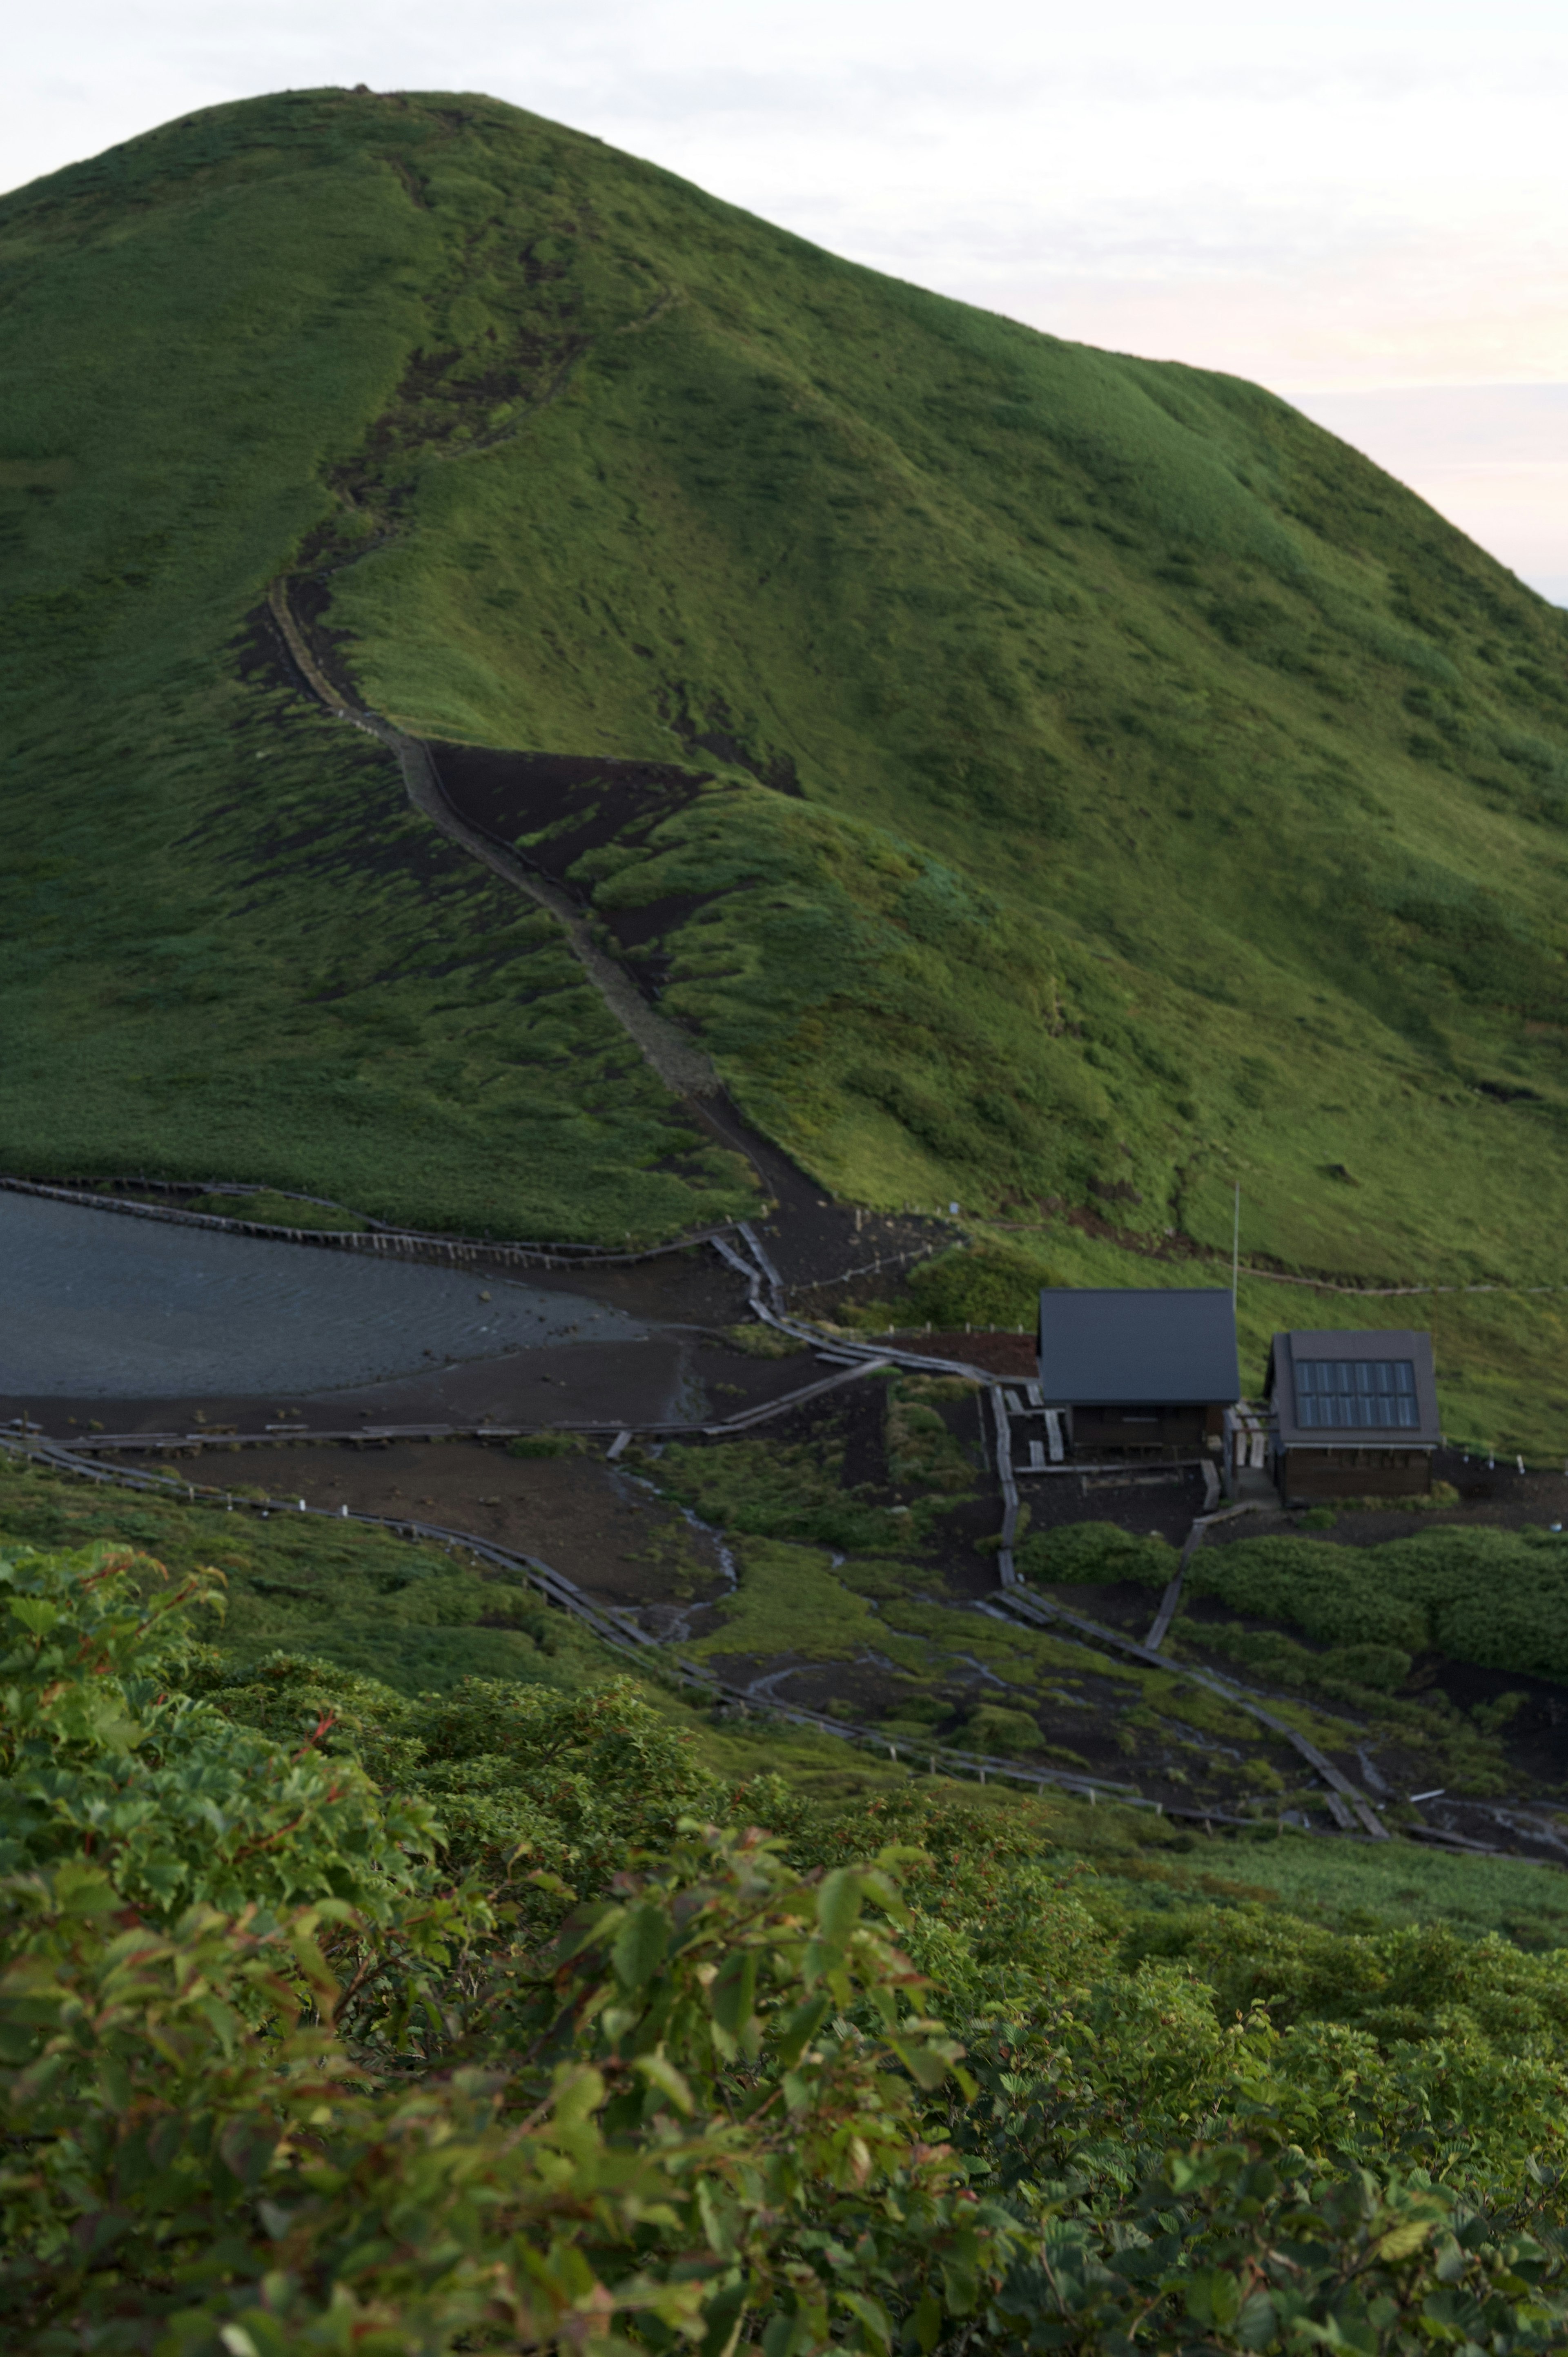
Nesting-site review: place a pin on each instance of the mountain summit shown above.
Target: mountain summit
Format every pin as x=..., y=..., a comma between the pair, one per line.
x=1023, y=773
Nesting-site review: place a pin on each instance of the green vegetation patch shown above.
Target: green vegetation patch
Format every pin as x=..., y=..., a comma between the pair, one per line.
x=275, y=1210
x=1423, y=1982
x=996, y=1728
x=789, y=1601
x=765, y=1341
x=925, y=1455
x=548, y=1444
x=1095, y=1553
x=1357, y=1887
x=777, y=1489
x=989, y=1284
x=1498, y=1598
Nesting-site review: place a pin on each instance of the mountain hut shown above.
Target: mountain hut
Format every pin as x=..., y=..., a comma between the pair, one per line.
x=1129, y=1374
x=1354, y=1416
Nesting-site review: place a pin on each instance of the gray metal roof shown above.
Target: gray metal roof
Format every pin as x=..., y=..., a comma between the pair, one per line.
x=1386, y=1343
x=1165, y=1346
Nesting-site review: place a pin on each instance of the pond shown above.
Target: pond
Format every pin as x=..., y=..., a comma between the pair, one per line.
x=102, y=1305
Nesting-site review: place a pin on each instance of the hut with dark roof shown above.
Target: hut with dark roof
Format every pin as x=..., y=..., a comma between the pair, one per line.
x=1135, y=1373
x=1354, y=1416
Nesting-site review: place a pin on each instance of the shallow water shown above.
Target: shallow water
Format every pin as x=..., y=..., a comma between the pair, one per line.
x=102, y=1305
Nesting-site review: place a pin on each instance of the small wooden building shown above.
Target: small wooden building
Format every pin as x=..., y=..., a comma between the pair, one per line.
x=1133, y=1373
x=1354, y=1416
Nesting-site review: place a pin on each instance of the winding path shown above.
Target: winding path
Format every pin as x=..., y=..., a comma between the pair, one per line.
x=685, y=1070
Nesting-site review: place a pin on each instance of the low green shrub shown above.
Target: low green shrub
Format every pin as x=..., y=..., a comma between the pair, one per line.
x=1092, y=1554
x=1498, y=1598
x=1357, y=1674
x=922, y=1453
x=783, y=1489
x=988, y=1285
x=100, y=1756
x=993, y=1728
x=574, y=1781
x=765, y=1341
x=547, y=1444
x=1384, y=1668
x=918, y=1710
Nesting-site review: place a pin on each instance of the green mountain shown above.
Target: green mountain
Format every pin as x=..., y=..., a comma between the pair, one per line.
x=1100, y=785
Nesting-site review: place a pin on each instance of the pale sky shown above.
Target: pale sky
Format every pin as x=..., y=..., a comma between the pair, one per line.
x=1365, y=207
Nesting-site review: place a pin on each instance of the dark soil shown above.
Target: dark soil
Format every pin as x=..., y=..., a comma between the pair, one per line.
x=860, y=1420
x=1124, y=1605
x=1536, y=1735
x=556, y=807
x=1013, y=1357
x=1161, y=1502
x=586, y=1518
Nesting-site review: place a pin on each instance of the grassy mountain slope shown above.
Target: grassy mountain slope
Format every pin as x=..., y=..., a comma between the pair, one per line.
x=1115, y=786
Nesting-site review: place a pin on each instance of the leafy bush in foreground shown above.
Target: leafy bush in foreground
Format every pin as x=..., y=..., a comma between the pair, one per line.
x=99, y=1757
x=574, y=1783
x=714, y=2105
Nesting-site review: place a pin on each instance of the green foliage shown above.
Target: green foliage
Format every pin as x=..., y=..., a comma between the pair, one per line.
x=1353, y=1673
x=99, y=1759
x=1237, y=2249
x=778, y=1489
x=789, y=1598
x=986, y=1285
x=267, y=2193
x=412, y=1616
x=924, y=1453
x=1422, y=1982
x=1496, y=1598
x=547, y=1444
x=1090, y=1554
x=993, y=1728
x=732, y=2093
x=571, y=1782
x=1349, y=1887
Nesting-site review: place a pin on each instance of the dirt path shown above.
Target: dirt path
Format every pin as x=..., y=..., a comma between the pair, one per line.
x=680, y=1063
x=813, y=1241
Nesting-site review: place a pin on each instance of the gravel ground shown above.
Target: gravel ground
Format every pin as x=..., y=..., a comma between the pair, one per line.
x=94, y=1303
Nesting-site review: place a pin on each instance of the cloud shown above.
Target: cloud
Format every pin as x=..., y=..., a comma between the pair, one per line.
x=1492, y=458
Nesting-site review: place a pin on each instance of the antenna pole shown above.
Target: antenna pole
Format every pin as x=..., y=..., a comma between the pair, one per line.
x=1236, y=1247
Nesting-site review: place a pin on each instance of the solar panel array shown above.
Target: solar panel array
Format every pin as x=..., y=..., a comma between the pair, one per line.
x=1355, y=1394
